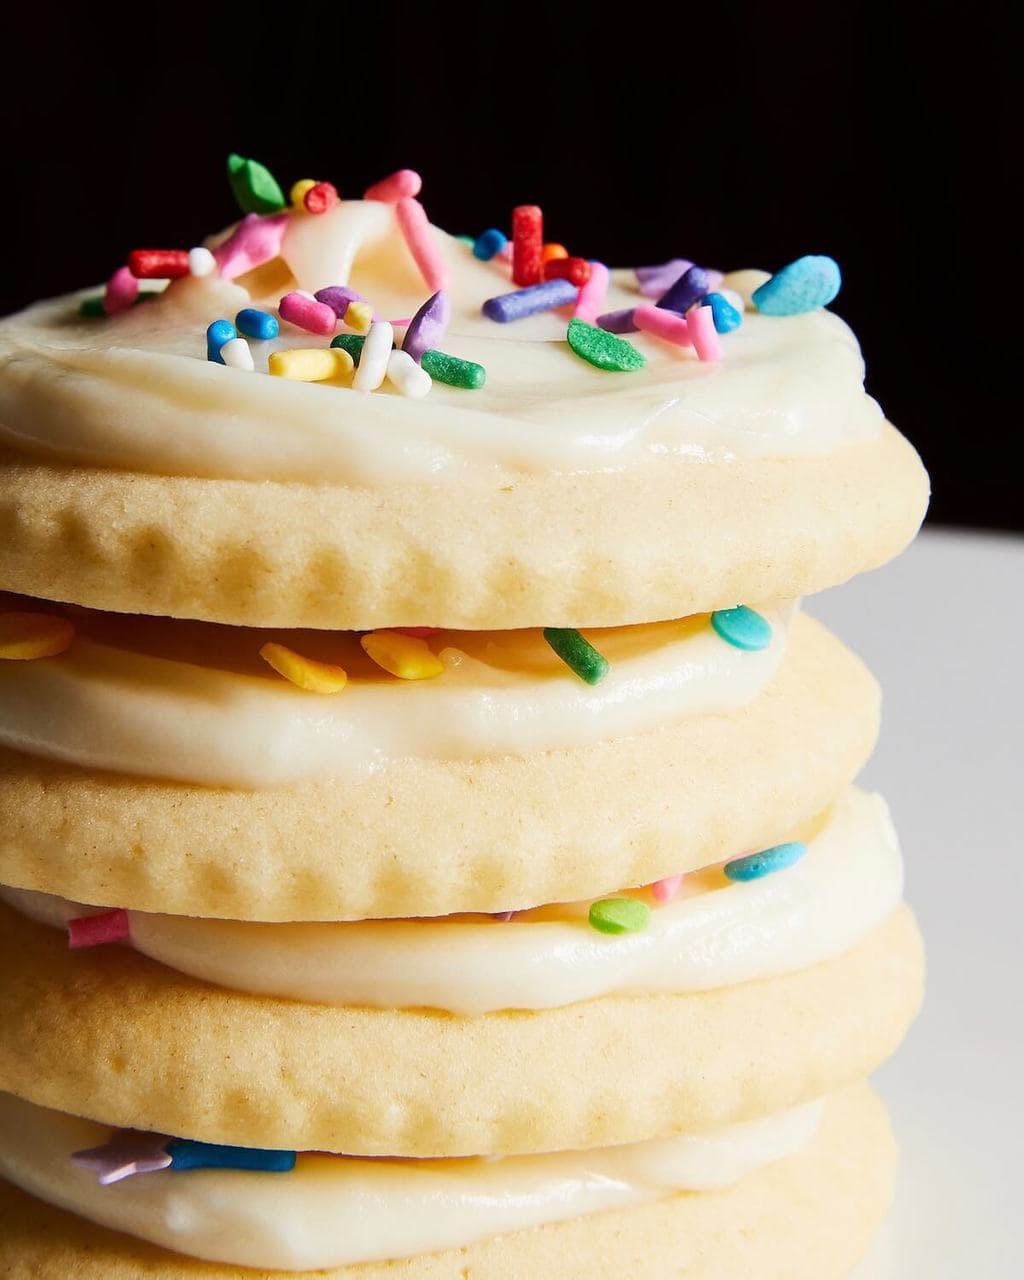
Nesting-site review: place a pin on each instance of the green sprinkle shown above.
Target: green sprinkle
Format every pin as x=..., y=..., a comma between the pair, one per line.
x=577, y=653
x=254, y=186
x=466, y=240
x=604, y=350
x=453, y=371
x=620, y=915
x=350, y=342
x=93, y=307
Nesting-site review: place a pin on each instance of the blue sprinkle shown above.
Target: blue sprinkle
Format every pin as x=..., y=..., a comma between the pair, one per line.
x=617, y=321
x=742, y=628
x=527, y=302
x=489, y=244
x=804, y=285
x=691, y=286
x=186, y=1154
x=217, y=334
x=724, y=314
x=257, y=324
x=756, y=865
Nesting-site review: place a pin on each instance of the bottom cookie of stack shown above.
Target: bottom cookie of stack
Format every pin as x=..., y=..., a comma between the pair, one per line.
x=794, y=1195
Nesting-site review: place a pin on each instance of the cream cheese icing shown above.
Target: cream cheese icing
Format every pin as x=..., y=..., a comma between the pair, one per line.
x=336, y=1211
x=714, y=934
x=193, y=702
x=136, y=391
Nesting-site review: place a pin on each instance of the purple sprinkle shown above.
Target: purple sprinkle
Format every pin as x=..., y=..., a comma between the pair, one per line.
x=428, y=325
x=691, y=286
x=617, y=321
x=653, y=281
x=338, y=297
x=527, y=302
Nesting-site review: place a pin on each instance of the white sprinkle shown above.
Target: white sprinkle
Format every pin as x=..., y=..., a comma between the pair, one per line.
x=405, y=374
x=373, y=359
x=201, y=261
x=236, y=354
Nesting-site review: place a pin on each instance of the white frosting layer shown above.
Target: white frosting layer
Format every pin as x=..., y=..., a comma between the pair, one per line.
x=714, y=934
x=137, y=392
x=193, y=702
x=335, y=1211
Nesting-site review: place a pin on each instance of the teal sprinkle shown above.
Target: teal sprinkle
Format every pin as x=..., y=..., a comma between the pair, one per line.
x=743, y=628
x=756, y=865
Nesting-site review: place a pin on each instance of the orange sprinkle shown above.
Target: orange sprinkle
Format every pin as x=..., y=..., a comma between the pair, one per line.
x=307, y=673
x=552, y=251
x=24, y=636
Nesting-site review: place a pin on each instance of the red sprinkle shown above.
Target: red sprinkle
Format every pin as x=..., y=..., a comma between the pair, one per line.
x=320, y=198
x=527, y=245
x=158, y=264
x=97, y=931
x=575, y=270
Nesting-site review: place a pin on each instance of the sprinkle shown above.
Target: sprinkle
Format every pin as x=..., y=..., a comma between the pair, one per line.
x=339, y=297
x=663, y=324
x=373, y=359
x=502, y=917
x=454, y=372
x=401, y=185
x=253, y=242
x=743, y=628
x=530, y=301
x=27, y=636
x=734, y=298
x=320, y=197
x=359, y=316
x=201, y=261
x=122, y=290
x=489, y=243
x=186, y=1154
x=401, y=655
x=726, y=314
x=92, y=307
x=527, y=244
x=576, y=270
x=428, y=326
x=99, y=930
x=708, y=344
x=158, y=264
x=235, y=354
x=620, y=915
x=297, y=195
x=127, y=1153
x=803, y=285
x=217, y=334
x=407, y=377
x=691, y=286
x=665, y=890
x=306, y=313
x=551, y=252
x=756, y=865
x=593, y=293
x=617, y=321
x=306, y=673
x=505, y=254
x=602, y=349
x=419, y=236
x=350, y=342
x=310, y=364
x=653, y=281
x=578, y=654
x=254, y=186
x=257, y=324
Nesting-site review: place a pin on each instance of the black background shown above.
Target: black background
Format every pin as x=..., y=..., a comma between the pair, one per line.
x=747, y=134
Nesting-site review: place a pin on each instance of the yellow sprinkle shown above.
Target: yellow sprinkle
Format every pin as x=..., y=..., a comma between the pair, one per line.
x=24, y=636
x=307, y=673
x=405, y=656
x=359, y=316
x=311, y=364
x=298, y=192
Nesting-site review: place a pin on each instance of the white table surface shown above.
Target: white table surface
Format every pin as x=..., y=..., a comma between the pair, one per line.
x=942, y=629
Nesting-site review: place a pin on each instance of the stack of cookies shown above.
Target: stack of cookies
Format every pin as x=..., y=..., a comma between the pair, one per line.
x=428, y=840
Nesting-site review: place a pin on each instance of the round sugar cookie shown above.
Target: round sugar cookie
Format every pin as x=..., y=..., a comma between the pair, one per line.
x=112, y=1036
x=510, y=832
x=808, y=1217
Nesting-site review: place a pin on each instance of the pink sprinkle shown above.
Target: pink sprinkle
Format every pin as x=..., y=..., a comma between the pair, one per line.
x=593, y=293
x=503, y=917
x=122, y=290
x=418, y=632
x=402, y=185
x=665, y=890
x=701, y=323
x=505, y=252
x=663, y=324
x=254, y=241
x=419, y=236
x=97, y=931
x=306, y=313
